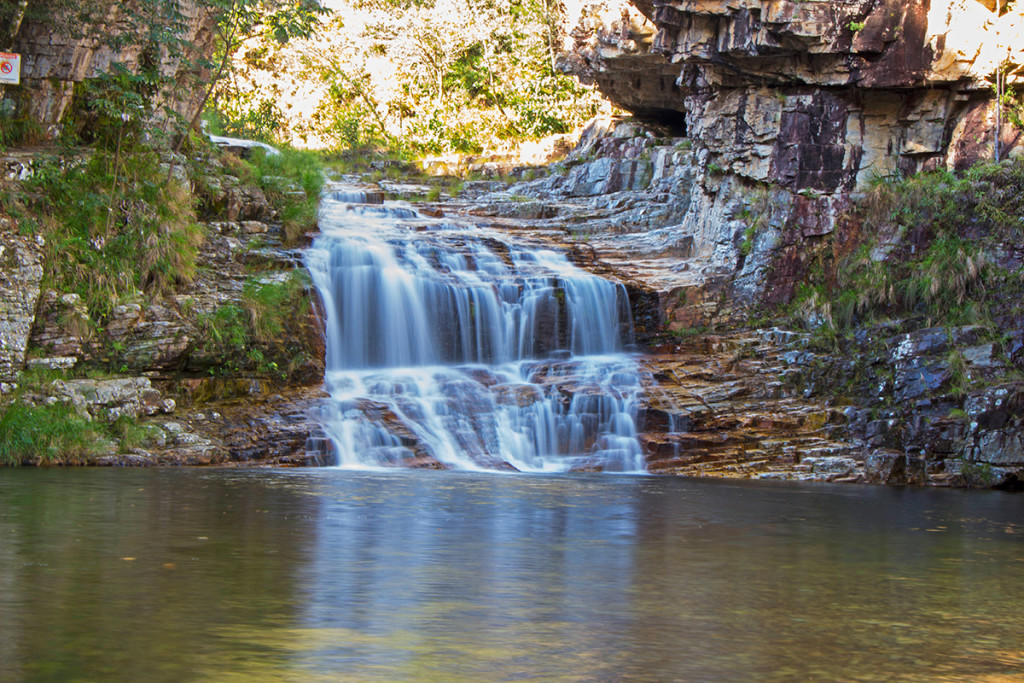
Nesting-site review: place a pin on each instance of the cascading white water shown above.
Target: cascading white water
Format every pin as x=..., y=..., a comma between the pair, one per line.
x=449, y=346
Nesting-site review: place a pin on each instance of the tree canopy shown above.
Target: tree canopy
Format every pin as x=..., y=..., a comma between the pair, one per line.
x=433, y=75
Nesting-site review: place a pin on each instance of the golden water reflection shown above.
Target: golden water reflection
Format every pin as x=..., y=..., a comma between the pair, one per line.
x=426, y=576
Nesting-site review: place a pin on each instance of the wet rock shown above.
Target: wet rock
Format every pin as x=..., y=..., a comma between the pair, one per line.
x=831, y=466
x=717, y=412
x=228, y=198
x=890, y=467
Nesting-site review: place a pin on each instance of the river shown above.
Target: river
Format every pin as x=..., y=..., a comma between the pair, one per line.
x=331, y=574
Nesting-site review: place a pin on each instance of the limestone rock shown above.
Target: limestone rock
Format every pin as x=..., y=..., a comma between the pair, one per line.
x=21, y=272
x=53, y=62
x=112, y=398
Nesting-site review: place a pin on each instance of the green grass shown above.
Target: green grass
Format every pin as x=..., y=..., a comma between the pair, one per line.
x=251, y=334
x=942, y=234
x=47, y=434
x=291, y=181
x=113, y=227
x=57, y=434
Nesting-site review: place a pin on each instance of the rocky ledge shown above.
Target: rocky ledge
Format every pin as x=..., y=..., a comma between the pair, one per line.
x=792, y=108
x=186, y=366
x=898, y=401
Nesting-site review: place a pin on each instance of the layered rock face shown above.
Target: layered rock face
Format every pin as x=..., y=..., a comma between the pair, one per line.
x=767, y=120
x=169, y=361
x=20, y=277
x=811, y=94
x=804, y=101
x=55, y=61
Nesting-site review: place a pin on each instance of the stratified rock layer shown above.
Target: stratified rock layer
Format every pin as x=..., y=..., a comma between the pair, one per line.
x=21, y=271
x=791, y=108
x=57, y=57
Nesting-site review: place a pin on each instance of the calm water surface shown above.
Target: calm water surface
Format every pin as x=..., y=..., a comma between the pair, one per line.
x=408, y=576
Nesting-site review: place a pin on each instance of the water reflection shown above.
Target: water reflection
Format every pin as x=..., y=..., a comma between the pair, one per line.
x=130, y=576
x=450, y=576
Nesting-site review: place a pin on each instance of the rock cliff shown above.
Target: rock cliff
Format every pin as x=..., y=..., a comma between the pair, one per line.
x=805, y=102
x=55, y=60
x=759, y=131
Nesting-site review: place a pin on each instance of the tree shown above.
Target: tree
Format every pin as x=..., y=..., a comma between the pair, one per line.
x=234, y=20
x=431, y=75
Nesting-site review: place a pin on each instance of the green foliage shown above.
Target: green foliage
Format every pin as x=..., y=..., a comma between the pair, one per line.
x=57, y=434
x=47, y=434
x=431, y=76
x=959, y=381
x=756, y=215
x=248, y=335
x=20, y=131
x=247, y=117
x=291, y=181
x=290, y=19
x=129, y=434
x=977, y=474
x=267, y=305
x=111, y=233
x=927, y=247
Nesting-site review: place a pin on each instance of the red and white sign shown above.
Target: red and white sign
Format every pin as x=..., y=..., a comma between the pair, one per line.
x=10, y=68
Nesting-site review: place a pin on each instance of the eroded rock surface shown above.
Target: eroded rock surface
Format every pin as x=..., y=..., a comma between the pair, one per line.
x=58, y=59
x=21, y=272
x=790, y=109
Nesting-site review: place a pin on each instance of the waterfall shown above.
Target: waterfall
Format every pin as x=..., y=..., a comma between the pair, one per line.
x=453, y=346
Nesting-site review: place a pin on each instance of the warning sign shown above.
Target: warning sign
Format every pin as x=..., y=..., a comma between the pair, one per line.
x=10, y=68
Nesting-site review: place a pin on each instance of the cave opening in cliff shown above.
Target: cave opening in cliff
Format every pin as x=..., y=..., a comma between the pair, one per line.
x=671, y=121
